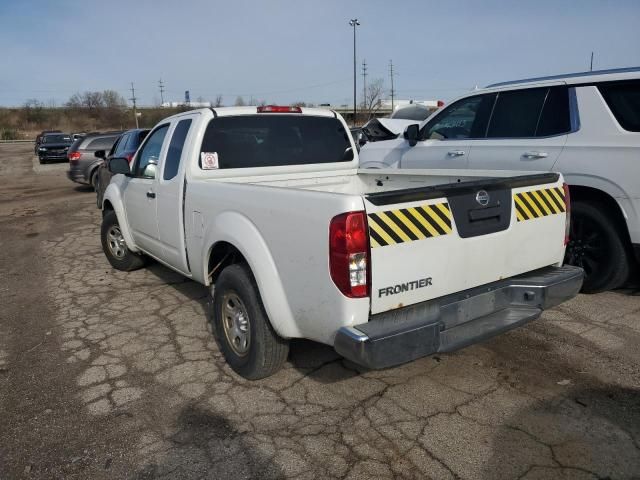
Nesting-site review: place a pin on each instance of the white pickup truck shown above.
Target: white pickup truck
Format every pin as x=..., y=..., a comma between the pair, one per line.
x=267, y=206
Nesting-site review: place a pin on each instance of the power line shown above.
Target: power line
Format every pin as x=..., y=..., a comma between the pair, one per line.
x=133, y=99
x=161, y=85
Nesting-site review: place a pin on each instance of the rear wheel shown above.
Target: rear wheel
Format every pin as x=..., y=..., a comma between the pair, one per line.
x=246, y=338
x=597, y=246
x=114, y=246
x=93, y=179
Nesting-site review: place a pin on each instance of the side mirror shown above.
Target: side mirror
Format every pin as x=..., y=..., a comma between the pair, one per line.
x=411, y=134
x=119, y=165
x=100, y=154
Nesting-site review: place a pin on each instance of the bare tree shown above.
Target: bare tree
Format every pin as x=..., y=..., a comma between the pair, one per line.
x=218, y=101
x=75, y=101
x=112, y=99
x=373, y=101
x=92, y=100
x=240, y=102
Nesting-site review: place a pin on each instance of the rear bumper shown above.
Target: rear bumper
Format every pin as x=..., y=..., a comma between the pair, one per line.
x=458, y=320
x=76, y=173
x=52, y=156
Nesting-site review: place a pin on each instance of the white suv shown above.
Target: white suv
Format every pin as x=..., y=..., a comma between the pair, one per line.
x=585, y=125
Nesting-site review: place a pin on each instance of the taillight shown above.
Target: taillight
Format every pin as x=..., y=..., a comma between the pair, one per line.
x=129, y=157
x=278, y=109
x=349, y=254
x=440, y=104
x=567, y=206
x=73, y=155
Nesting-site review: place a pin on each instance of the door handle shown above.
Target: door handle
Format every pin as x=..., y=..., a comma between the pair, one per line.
x=456, y=153
x=151, y=194
x=534, y=154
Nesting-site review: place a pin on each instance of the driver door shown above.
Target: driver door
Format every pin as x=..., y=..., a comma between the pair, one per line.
x=445, y=141
x=140, y=196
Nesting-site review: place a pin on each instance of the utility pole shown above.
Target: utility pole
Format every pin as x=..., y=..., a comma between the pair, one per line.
x=161, y=85
x=591, y=67
x=364, y=84
x=393, y=92
x=354, y=23
x=133, y=99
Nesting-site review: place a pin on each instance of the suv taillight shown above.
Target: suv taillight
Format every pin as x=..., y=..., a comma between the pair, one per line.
x=567, y=207
x=73, y=156
x=349, y=254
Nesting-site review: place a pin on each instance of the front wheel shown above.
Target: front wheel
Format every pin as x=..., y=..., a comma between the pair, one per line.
x=114, y=246
x=242, y=329
x=596, y=245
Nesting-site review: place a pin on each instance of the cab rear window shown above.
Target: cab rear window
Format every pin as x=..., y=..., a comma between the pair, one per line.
x=267, y=140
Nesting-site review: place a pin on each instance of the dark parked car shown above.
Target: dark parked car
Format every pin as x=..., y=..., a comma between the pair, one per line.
x=125, y=147
x=83, y=164
x=39, y=138
x=54, y=146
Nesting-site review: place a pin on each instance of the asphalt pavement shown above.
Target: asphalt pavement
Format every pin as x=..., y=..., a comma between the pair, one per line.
x=106, y=374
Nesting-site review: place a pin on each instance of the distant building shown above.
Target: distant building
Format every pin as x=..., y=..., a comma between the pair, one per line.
x=187, y=104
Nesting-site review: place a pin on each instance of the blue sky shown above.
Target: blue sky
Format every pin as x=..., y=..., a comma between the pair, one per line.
x=283, y=51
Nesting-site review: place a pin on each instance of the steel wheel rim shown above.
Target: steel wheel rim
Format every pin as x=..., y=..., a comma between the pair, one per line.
x=115, y=241
x=235, y=323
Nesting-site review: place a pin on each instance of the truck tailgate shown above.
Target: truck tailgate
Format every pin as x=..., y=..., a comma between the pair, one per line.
x=433, y=241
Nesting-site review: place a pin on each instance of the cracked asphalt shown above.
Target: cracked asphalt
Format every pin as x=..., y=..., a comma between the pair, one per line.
x=106, y=374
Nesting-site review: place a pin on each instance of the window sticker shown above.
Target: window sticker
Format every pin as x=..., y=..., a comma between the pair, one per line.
x=209, y=160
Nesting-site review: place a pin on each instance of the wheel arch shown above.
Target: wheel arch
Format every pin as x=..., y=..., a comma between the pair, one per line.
x=111, y=201
x=235, y=237
x=582, y=193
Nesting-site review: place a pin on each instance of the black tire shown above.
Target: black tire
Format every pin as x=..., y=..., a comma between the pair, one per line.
x=126, y=260
x=93, y=179
x=265, y=351
x=596, y=244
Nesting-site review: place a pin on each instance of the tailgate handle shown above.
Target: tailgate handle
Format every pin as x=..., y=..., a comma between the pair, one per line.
x=484, y=213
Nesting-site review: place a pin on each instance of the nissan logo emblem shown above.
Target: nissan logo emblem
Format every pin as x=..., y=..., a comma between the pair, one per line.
x=482, y=197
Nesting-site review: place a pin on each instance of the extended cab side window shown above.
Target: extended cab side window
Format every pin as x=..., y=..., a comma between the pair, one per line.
x=172, y=163
x=148, y=158
x=467, y=118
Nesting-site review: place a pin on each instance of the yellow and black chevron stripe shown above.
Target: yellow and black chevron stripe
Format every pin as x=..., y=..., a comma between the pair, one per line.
x=539, y=203
x=409, y=224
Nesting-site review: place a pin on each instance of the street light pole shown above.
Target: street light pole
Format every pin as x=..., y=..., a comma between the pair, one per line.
x=354, y=23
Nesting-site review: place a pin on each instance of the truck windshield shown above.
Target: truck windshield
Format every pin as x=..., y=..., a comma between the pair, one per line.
x=266, y=140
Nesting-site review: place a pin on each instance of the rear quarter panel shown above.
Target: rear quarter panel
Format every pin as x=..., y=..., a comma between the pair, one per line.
x=284, y=235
